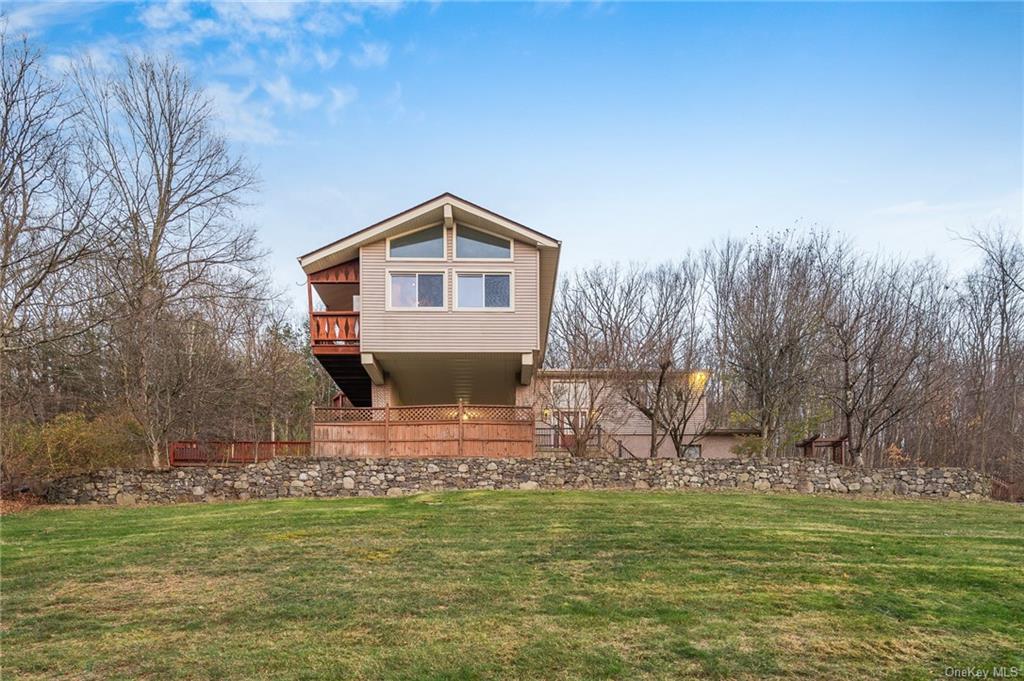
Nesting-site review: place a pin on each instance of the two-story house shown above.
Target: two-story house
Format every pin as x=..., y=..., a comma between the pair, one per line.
x=443, y=303
x=443, y=307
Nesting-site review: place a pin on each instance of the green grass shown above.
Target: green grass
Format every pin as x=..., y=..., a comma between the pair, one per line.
x=505, y=585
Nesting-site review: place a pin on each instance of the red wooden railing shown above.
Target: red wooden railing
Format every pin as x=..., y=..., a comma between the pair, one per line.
x=333, y=327
x=194, y=453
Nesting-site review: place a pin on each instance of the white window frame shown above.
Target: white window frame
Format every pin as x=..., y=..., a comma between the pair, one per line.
x=415, y=270
x=580, y=389
x=444, y=245
x=455, y=245
x=511, y=291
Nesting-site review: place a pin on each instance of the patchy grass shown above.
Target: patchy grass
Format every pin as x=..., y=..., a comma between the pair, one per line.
x=571, y=585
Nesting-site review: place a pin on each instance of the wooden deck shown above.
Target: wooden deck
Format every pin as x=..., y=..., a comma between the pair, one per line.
x=434, y=431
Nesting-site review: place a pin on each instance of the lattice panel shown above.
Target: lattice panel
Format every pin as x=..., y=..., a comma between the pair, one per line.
x=426, y=413
x=472, y=413
x=348, y=414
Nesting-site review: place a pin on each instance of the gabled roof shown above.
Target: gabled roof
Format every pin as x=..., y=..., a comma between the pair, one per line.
x=429, y=212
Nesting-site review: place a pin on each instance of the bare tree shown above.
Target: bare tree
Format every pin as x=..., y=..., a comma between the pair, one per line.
x=175, y=187
x=663, y=371
x=882, y=333
x=48, y=228
x=767, y=301
x=47, y=207
x=593, y=316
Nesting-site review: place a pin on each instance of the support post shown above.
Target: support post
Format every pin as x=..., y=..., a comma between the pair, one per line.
x=387, y=429
x=309, y=299
x=460, y=417
x=312, y=430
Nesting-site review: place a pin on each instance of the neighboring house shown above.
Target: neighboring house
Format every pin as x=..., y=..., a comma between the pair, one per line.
x=433, y=324
x=564, y=396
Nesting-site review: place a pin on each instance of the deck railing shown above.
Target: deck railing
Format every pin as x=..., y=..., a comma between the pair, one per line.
x=334, y=327
x=549, y=437
x=445, y=430
x=432, y=413
x=198, y=453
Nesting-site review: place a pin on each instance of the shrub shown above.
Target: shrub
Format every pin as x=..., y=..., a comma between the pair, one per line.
x=68, y=444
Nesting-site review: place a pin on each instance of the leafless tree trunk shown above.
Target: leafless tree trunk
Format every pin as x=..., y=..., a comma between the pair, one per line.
x=882, y=334
x=664, y=371
x=175, y=241
x=767, y=300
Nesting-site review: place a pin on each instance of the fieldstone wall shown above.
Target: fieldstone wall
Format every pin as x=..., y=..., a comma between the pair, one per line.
x=393, y=477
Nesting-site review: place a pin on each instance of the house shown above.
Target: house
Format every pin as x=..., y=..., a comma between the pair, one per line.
x=433, y=323
x=435, y=319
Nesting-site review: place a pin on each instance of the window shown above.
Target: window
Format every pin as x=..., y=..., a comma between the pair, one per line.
x=691, y=452
x=570, y=395
x=419, y=290
x=484, y=291
x=424, y=244
x=475, y=244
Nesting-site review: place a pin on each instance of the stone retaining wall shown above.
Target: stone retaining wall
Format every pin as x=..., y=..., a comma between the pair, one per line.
x=392, y=477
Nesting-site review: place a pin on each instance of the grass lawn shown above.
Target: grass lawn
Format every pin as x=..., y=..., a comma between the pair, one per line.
x=508, y=585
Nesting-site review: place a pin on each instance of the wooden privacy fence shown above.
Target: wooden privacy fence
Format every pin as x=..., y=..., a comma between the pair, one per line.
x=434, y=431
x=198, y=453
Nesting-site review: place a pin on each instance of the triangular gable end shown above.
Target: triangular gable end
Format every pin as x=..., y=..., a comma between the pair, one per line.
x=444, y=208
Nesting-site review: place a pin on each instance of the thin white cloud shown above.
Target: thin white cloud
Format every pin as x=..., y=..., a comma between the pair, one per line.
x=162, y=16
x=371, y=55
x=243, y=119
x=282, y=92
x=32, y=17
x=103, y=56
x=1006, y=207
x=341, y=97
x=326, y=58
x=921, y=207
x=394, y=100
x=270, y=11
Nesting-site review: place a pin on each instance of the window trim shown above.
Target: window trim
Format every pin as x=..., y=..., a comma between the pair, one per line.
x=444, y=245
x=455, y=245
x=415, y=270
x=511, y=291
x=576, y=384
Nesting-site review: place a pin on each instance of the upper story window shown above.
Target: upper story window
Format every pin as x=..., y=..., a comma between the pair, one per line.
x=484, y=291
x=416, y=290
x=475, y=244
x=570, y=395
x=423, y=244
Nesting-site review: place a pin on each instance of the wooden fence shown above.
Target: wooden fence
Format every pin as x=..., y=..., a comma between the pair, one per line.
x=434, y=431
x=198, y=453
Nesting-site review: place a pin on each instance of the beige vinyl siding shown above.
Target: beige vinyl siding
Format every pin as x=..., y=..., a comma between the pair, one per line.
x=451, y=330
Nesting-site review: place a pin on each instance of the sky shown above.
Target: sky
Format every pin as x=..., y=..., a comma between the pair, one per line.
x=631, y=132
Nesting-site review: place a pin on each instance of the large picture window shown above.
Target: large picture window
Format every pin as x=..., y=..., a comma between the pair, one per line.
x=417, y=290
x=475, y=244
x=424, y=244
x=484, y=291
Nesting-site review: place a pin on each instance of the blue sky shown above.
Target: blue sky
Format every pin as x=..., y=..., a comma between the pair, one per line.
x=898, y=125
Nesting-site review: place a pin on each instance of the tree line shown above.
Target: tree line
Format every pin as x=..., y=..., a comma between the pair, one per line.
x=136, y=307
x=791, y=335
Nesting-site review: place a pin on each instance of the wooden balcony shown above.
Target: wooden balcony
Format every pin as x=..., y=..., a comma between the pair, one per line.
x=334, y=332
